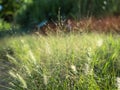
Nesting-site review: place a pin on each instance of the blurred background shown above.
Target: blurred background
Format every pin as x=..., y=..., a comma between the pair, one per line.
x=25, y=13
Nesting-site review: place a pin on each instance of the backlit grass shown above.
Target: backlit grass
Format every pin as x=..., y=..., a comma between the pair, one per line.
x=64, y=62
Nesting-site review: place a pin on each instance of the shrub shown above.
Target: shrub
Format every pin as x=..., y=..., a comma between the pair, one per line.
x=4, y=25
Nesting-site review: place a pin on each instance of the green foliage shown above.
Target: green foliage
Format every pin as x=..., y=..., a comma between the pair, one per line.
x=42, y=9
x=65, y=62
x=38, y=10
x=30, y=12
x=106, y=63
x=9, y=8
x=4, y=25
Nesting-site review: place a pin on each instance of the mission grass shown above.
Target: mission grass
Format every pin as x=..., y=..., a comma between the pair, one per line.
x=65, y=62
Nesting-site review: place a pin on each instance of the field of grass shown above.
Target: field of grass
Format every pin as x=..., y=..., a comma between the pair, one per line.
x=87, y=61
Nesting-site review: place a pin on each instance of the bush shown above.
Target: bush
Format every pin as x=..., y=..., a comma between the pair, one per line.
x=4, y=25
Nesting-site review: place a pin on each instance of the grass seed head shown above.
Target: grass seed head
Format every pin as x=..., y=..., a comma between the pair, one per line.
x=45, y=79
x=73, y=67
x=32, y=57
x=100, y=43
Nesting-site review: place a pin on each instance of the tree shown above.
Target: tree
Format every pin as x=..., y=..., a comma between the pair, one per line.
x=9, y=8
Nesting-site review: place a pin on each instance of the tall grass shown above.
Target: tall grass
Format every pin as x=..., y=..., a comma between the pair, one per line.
x=65, y=62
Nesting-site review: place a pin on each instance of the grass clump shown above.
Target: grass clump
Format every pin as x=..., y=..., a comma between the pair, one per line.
x=65, y=62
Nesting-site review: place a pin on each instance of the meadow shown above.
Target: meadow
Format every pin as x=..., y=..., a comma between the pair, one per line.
x=59, y=45
x=82, y=61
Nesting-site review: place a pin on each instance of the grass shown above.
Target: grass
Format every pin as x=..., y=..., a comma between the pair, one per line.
x=64, y=62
